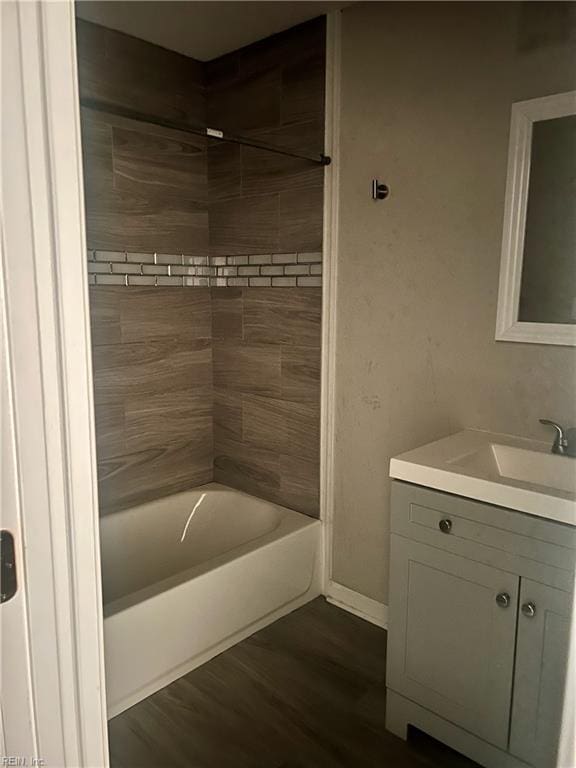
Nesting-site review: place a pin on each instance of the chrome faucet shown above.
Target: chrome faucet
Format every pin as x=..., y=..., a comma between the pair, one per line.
x=565, y=440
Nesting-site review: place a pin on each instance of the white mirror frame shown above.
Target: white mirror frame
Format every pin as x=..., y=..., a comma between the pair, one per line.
x=508, y=327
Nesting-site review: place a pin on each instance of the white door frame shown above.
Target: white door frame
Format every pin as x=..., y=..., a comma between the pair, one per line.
x=329, y=283
x=45, y=293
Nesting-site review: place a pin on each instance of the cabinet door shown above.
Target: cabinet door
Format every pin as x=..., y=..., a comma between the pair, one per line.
x=541, y=659
x=450, y=641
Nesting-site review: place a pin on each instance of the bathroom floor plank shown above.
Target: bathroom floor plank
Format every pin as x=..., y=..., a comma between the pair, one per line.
x=306, y=692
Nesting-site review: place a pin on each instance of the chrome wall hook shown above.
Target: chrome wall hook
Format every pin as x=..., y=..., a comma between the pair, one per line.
x=380, y=191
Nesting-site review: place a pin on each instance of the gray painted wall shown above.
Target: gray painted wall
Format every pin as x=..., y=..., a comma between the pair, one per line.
x=426, y=97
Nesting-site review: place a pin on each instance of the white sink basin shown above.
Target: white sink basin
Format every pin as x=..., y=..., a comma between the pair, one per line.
x=498, y=469
x=534, y=467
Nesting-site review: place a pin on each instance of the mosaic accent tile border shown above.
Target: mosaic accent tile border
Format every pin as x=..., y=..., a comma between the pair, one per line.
x=271, y=270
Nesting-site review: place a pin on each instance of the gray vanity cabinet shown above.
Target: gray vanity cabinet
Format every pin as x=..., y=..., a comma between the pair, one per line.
x=455, y=642
x=479, y=622
x=541, y=658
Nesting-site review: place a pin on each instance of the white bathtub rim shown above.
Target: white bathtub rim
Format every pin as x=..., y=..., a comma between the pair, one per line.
x=201, y=570
x=212, y=486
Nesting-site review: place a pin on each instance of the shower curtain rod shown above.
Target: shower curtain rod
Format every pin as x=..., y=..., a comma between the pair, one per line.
x=213, y=133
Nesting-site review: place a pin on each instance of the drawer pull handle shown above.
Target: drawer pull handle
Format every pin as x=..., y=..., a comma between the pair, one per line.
x=503, y=599
x=529, y=609
x=445, y=525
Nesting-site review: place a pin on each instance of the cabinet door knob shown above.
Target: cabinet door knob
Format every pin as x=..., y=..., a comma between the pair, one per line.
x=503, y=599
x=529, y=609
x=445, y=525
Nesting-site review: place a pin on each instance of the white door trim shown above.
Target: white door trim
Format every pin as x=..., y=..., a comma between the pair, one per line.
x=48, y=331
x=329, y=283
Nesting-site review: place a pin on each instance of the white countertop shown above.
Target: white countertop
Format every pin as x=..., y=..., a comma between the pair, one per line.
x=474, y=464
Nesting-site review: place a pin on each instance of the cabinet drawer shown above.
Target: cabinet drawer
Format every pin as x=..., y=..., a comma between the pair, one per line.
x=542, y=549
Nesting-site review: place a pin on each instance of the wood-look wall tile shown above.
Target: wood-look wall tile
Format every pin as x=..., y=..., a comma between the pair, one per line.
x=263, y=422
x=250, y=102
x=150, y=128
x=247, y=368
x=283, y=322
x=146, y=190
x=281, y=49
x=96, y=154
x=224, y=171
x=272, y=90
x=268, y=55
x=249, y=469
x=227, y=316
x=105, y=316
x=167, y=418
x=125, y=222
x=300, y=218
x=153, y=391
x=300, y=373
x=244, y=226
x=142, y=160
x=227, y=415
x=148, y=368
x=265, y=172
x=136, y=219
x=300, y=484
x=149, y=314
x=221, y=71
x=110, y=430
x=283, y=316
x=282, y=426
x=125, y=70
x=135, y=478
x=303, y=83
x=145, y=187
x=301, y=432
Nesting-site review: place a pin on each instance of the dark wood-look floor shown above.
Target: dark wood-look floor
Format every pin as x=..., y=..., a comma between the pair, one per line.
x=306, y=692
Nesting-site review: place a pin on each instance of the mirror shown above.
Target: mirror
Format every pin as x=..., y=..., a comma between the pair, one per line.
x=537, y=297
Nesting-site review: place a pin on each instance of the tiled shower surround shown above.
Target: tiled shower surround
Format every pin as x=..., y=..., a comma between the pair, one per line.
x=221, y=382
x=151, y=189
x=207, y=384
x=278, y=270
x=266, y=376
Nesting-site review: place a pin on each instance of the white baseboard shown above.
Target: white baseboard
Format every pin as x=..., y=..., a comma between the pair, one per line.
x=360, y=605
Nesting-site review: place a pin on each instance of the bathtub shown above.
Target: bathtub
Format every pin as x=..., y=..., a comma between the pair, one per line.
x=187, y=576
